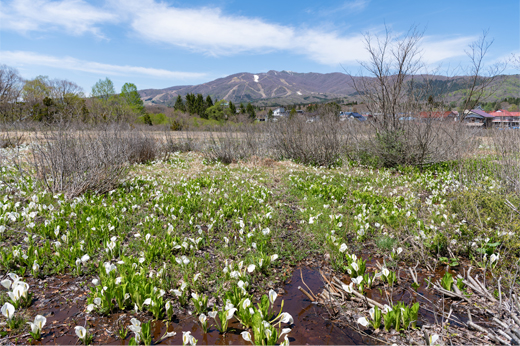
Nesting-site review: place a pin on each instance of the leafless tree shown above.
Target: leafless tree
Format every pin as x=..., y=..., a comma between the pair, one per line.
x=393, y=64
x=515, y=61
x=11, y=84
x=401, y=92
x=482, y=81
x=61, y=88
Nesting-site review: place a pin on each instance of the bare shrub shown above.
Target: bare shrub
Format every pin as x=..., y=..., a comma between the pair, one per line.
x=180, y=142
x=10, y=139
x=76, y=162
x=142, y=147
x=233, y=143
x=224, y=149
x=319, y=141
x=506, y=144
x=418, y=142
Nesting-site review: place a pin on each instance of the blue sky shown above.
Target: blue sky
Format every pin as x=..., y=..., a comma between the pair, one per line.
x=157, y=44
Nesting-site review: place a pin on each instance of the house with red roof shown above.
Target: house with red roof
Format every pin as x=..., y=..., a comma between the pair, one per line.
x=504, y=118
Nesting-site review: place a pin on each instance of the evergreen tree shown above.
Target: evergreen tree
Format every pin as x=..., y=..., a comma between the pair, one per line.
x=232, y=108
x=179, y=104
x=147, y=119
x=242, y=108
x=190, y=104
x=251, y=111
x=209, y=101
x=200, y=106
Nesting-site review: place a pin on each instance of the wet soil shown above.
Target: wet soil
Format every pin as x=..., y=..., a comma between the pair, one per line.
x=62, y=300
x=434, y=312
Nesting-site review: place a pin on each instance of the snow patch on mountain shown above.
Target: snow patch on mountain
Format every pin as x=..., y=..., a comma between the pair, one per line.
x=256, y=78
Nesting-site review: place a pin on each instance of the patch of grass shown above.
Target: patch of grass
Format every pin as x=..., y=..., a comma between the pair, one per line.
x=385, y=242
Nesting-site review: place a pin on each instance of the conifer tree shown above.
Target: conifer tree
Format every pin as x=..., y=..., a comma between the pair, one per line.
x=179, y=104
x=232, y=108
x=190, y=103
x=251, y=111
x=200, y=106
x=209, y=101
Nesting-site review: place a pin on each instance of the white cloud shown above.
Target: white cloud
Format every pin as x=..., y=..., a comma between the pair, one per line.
x=348, y=6
x=435, y=50
x=203, y=29
x=356, y=5
x=330, y=48
x=210, y=31
x=74, y=16
x=206, y=30
x=21, y=58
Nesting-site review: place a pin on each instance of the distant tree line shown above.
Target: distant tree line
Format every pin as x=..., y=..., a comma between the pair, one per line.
x=54, y=100
x=509, y=103
x=331, y=107
x=212, y=109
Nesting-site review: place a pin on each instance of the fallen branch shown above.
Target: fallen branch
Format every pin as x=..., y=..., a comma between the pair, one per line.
x=306, y=293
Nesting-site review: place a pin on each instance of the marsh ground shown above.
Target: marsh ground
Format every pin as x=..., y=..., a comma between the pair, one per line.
x=234, y=232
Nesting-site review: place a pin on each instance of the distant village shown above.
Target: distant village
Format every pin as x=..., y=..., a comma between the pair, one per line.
x=501, y=118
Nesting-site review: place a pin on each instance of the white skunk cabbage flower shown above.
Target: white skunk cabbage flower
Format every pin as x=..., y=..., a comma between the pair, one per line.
x=286, y=318
x=349, y=288
x=272, y=296
x=246, y=336
x=230, y=313
x=363, y=321
x=39, y=322
x=187, y=338
x=246, y=303
x=385, y=272
x=136, y=326
x=81, y=332
x=8, y=310
x=357, y=280
x=6, y=283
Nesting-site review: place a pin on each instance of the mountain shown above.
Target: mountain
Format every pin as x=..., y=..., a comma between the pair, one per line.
x=287, y=87
x=282, y=87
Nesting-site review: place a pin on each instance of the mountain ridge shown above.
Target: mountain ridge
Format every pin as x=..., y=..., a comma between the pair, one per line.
x=284, y=87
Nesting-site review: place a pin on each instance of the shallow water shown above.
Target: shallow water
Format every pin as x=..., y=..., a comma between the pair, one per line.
x=311, y=324
x=63, y=299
